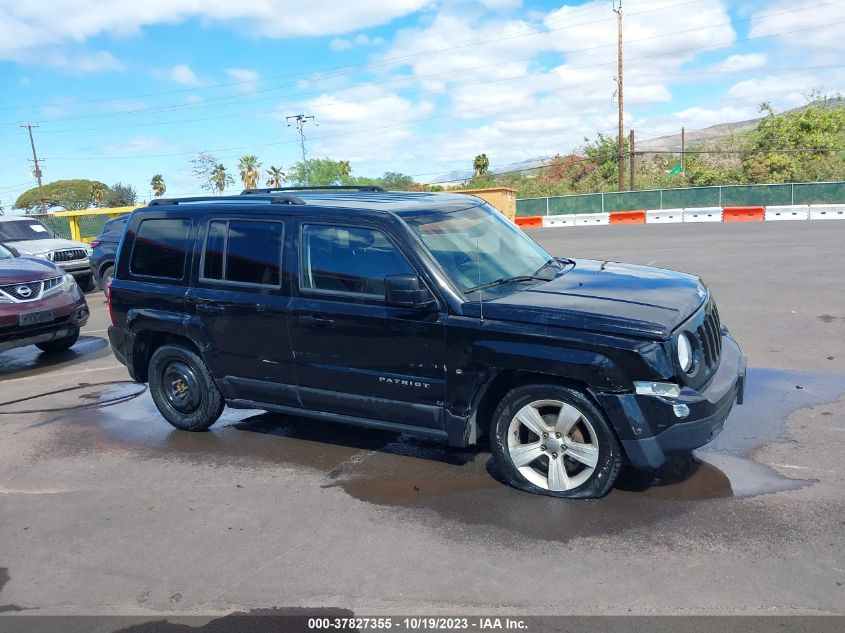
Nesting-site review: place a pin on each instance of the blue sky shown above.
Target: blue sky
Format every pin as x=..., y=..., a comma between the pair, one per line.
x=122, y=91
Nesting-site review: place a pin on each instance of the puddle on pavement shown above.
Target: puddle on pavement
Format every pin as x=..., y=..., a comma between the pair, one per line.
x=24, y=362
x=395, y=470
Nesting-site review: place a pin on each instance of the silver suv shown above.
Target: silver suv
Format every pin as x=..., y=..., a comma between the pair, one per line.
x=31, y=238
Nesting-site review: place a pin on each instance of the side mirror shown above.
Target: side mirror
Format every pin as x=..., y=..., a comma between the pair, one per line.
x=406, y=291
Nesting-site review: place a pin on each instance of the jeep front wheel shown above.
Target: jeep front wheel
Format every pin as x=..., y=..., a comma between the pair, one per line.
x=183, y=390
x=552, y=440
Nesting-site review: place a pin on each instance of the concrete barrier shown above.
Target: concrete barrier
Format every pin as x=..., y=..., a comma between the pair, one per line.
x=664, y=216
x=584, y=219
x=558, y=220
x=800, y=212
x=744, y=214
x=827, y=211
x=627, y=217
x=703, y=214
x=530, y=222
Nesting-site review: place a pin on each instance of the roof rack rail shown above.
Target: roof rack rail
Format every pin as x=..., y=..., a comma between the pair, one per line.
x=272, y=199
x=363, y=188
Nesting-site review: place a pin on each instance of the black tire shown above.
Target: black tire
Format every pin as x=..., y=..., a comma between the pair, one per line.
x=59, y=344
x=105, y=279
x=591, y=422
x=87, y=283
x=193, y=405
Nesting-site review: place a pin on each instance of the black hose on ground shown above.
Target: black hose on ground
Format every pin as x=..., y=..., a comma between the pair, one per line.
x=87, y=405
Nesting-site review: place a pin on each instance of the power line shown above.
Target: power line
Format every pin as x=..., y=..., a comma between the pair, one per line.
x=350, y=67
x=216, y=102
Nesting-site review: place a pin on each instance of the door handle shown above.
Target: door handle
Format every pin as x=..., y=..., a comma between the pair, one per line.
x=210, y=308
x=312, y=320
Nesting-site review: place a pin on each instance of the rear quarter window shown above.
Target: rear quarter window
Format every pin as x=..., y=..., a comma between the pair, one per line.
x=160, y=247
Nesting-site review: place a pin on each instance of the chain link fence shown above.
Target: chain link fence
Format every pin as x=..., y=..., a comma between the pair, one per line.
x=724, y=196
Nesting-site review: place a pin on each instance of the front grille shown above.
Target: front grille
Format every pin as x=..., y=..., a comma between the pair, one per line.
x=69, y=255
x=709, y=335
x=23, y=292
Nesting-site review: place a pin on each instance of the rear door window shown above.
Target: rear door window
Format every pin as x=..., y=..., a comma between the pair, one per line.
x=160, y=247
x=245, y=252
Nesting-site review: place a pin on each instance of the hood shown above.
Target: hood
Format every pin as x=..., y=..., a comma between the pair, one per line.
x=23, y=269
x=46, y=245
x=605, y=297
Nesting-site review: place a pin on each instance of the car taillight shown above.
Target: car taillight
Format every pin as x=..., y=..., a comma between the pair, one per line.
x=94, y=244
x=108, y=298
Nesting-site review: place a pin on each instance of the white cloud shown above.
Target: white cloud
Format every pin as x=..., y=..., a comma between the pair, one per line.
x=366, y=125
x=538, y=93
x=813, y=29
x=339, y=44
x=180, y=74
x=247, y=80
x=76, y=62
x=31, y=25
x=738, y=63
x=139, y=146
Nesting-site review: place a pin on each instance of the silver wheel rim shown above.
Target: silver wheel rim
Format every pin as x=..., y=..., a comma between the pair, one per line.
x=553, y=445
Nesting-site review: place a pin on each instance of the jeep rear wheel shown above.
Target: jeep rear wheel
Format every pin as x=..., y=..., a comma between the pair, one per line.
x=552, y=440
x=183, y=390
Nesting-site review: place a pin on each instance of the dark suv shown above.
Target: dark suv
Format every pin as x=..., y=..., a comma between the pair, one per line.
x=425, y=313
x=104, y=251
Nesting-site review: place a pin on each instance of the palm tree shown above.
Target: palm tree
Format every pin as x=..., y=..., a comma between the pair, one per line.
x=249, y=167
x=157, y=183
x=98, y=190
x=275, y=176
x=480, y=165
x=221, y=178
x=345, y=169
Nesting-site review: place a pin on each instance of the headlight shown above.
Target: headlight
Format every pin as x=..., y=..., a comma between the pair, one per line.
x=685, y=358
x=68, y=283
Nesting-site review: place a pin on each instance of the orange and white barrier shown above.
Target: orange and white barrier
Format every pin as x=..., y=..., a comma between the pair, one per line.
x=689, y=215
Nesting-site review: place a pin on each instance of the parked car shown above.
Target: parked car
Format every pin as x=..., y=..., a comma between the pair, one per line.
x=32, y=239
x=424, y=313
x=103, y=250
x=40, y=304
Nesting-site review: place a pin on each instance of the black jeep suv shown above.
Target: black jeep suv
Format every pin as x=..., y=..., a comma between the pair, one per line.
x=426, y=313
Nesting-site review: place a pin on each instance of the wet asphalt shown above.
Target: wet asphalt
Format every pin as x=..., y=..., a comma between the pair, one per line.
x=104, y=508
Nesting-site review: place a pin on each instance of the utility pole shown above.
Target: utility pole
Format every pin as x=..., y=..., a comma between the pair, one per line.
x=37, y=169
x=631, y=160
x=617, y=8
x=299, y=120
x=683, y=150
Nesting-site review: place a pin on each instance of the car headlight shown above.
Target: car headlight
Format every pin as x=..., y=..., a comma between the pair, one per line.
x=685, y=358
x=68, y=283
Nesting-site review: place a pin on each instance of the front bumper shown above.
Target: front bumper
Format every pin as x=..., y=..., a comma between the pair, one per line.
x=69, y=317
x=77, y=267
x=648, y=427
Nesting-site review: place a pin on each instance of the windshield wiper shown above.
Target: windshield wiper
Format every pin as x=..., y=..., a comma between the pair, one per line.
x=504, y=280
x=555, y=260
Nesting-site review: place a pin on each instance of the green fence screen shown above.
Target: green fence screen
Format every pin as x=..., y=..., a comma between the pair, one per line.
x=727, y=196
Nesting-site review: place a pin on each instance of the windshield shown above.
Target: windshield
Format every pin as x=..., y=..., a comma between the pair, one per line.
x=5, y=253
x=21, y=230
x=478, y=245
